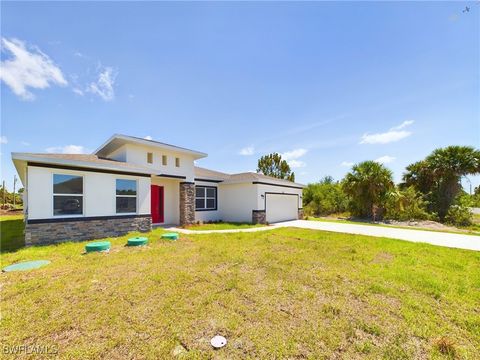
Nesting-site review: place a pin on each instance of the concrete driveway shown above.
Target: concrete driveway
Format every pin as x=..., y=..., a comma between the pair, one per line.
x=460, y=241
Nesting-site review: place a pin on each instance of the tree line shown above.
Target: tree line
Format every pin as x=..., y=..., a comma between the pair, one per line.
x=430, y=188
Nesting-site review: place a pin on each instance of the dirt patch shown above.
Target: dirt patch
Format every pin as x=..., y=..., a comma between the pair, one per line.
x=426, y=224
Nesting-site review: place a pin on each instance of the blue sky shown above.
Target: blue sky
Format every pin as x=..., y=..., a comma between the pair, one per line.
x=325, y=84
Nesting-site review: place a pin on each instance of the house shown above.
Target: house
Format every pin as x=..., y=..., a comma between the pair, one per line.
x=130, y=183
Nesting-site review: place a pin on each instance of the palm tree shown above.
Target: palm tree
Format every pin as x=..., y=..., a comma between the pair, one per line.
x=448, y=165
x=368, y=185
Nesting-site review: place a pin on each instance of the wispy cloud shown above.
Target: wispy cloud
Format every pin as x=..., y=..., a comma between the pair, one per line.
x=25, y=143
x=28, y=68
x=67, y=149
x=292, y=157
x=3, y=140
x=385, y=159
x=347, y=163
x=104, y=86
x=394, y=134
x=148, y=137
x=247, y=151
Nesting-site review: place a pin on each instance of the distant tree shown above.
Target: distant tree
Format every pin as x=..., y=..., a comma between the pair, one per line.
x=21, y=190
x=367, y=185
x=324, y=198
x=273, y=165
x=438, y=176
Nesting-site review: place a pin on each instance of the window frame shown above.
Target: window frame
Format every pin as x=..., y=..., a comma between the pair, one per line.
x=205, y=197
x=177, y=162
x=82, y=195
x=130, y=196
x=164, y=160
x=149, y=157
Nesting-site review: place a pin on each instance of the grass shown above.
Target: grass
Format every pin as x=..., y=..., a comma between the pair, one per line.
x=284, y=293
x=11, y=233
x=469, y=231
x=223, y=226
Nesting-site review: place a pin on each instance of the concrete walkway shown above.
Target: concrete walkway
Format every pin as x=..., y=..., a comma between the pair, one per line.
x=460, y=241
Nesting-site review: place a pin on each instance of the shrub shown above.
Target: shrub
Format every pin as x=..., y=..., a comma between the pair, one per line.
x=406, y=204
x=459, y=215
x=324, y=198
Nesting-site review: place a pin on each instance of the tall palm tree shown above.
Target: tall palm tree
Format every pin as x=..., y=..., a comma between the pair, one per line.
x=368, y=185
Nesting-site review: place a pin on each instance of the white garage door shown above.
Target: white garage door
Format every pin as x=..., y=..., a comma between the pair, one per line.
x=281, y=207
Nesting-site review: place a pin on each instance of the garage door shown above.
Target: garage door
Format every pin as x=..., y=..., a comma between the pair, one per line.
x=281, y=207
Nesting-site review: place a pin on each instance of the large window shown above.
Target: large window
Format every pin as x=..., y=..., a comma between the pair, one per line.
x=67, y=195
x=205, y=198
x=126, y=192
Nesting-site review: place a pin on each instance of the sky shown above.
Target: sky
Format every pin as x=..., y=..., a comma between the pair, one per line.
x=326, y=84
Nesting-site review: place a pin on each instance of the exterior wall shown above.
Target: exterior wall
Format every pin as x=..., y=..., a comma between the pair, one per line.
x=99, y=194
x=209, y=215
x=119, y=154
x=171, y=206
x=236, y=202
x=84, y=229
x=137, y=154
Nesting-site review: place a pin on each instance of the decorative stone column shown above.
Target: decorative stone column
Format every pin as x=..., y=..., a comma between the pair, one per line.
x=187, y=203
x=300, y=214
x=259, y=217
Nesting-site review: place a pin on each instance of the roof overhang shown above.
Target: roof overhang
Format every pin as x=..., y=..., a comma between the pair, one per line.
x=118, y=140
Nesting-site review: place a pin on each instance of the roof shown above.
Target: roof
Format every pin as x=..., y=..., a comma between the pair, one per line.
x=118, y=140
x=206, y=174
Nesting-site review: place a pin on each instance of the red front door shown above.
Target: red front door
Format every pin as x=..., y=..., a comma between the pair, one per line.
x=157, y=204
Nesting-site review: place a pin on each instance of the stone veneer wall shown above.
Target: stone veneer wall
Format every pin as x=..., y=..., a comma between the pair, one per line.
x=300, y=214
x=187, y=203
x=50, y=232
x=259, y=217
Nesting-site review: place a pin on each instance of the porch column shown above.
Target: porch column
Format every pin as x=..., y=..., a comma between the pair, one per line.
x=187, y=203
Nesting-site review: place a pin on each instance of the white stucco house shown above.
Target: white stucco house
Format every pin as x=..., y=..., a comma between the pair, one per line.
x=130, y=183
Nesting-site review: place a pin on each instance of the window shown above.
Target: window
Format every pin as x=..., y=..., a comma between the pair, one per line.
x=164, y=160
x=177, y=162
x=205, y=198
x=67, y=195
x=126, y=193
x=150, y=158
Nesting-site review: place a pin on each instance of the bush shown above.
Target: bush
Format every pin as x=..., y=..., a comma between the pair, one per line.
x=324, y=198
x=459, y=215
x=405, y=205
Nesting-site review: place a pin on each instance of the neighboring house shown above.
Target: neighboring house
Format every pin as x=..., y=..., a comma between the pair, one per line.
x=129, y=183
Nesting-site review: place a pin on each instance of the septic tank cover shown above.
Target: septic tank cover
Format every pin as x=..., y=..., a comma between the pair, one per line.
x=26, y=265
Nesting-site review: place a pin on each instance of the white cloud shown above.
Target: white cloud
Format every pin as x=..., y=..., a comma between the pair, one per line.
x=294, y=154
x=78, y=91
x=148, y=137
x=403, y=125
x=394, y=134
x=385, y=159
x=292, y=158
x=103, y=87
x=28, y=68
x=347, y=163
x=25, y=143
x=247, y=151
x=296, y=164
x=3, y=140
x=67, y=149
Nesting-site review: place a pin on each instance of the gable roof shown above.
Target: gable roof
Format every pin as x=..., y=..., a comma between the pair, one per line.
x=245, y=177
x=118, y=140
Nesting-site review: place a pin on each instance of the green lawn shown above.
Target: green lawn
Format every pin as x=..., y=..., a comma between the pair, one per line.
x=223, y=226
x=11, y=233
x=284, y=293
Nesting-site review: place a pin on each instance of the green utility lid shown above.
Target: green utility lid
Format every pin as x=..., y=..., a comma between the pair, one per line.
x=170, y=236
x=97, y=246
x=137, y=241
x=26, y=265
